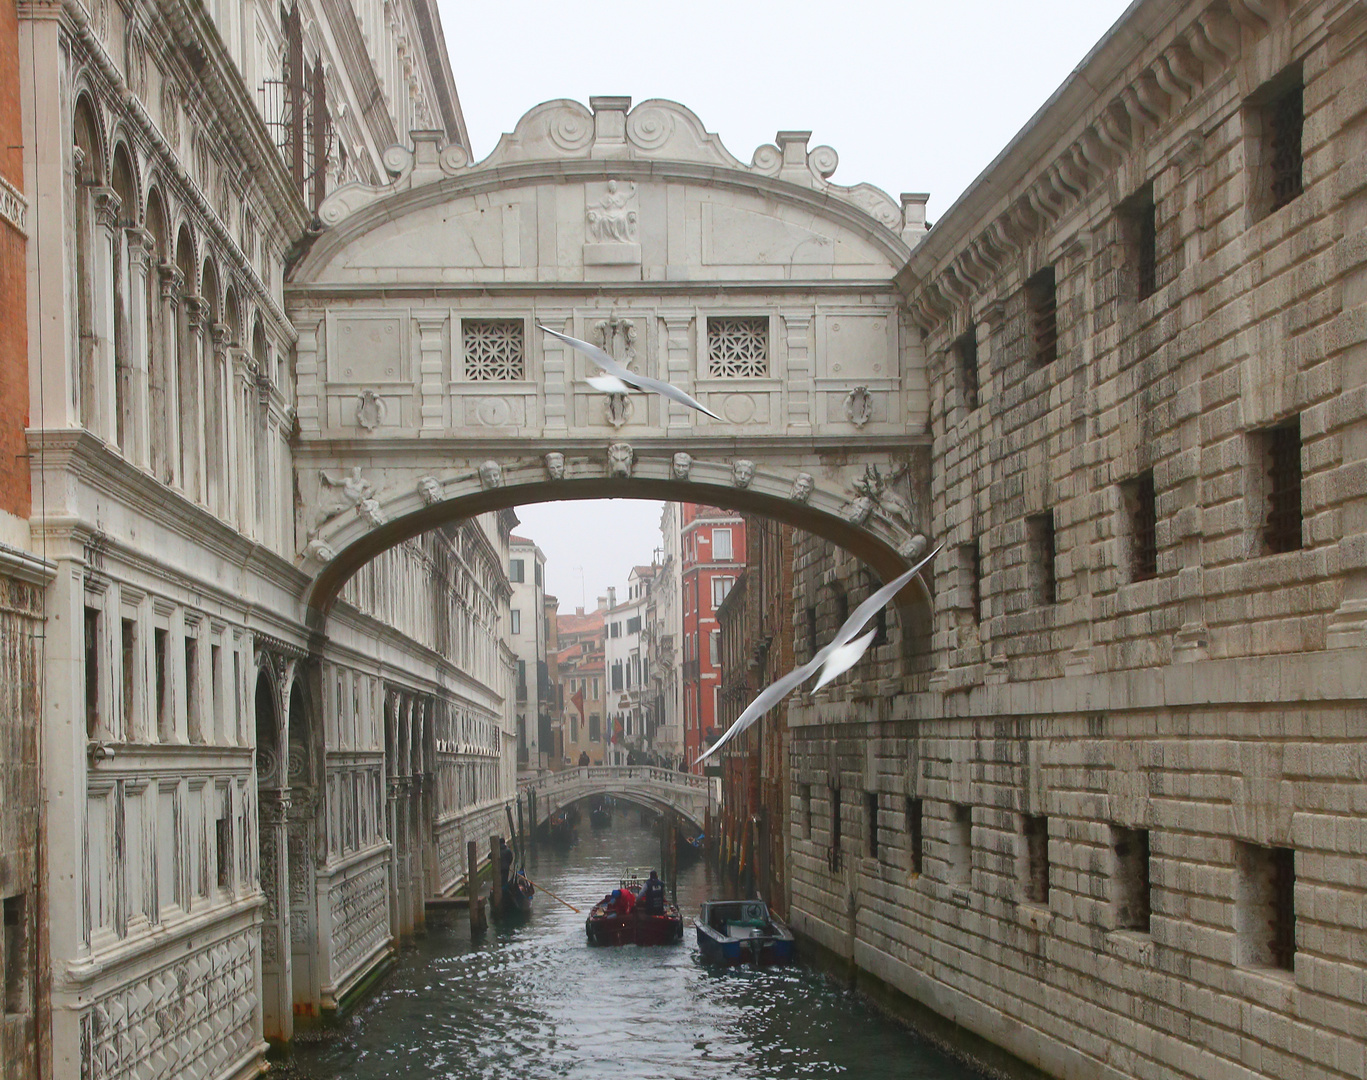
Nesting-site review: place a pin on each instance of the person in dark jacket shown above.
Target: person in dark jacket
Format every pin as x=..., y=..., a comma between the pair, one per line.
x=505, y=861
x=653, y=895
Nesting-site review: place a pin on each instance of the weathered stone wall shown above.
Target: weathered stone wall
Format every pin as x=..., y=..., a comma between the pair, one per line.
x=1136, y=784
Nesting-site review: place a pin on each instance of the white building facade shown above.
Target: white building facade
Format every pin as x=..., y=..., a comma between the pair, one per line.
x=527, y=639
x=243, y=813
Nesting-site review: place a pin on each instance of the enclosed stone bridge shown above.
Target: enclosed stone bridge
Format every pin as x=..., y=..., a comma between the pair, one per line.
x=659, y=789
x=426, y=393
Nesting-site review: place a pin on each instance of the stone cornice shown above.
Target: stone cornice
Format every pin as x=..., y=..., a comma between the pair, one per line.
x=360, y=69
x=215, y=71
x=428, y=18
x=1155, y=61
x=78, y=453
x=13, y=206
x=302, y=295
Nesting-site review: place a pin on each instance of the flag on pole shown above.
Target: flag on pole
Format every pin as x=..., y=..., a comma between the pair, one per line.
x=577, y=700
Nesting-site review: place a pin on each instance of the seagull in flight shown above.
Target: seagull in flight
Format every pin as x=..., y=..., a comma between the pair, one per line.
x=620, y=379
x=839, y=655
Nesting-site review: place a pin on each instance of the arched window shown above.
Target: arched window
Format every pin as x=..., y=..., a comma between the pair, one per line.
x=213, y=354
x=121, y=179
x=160, y=392
x=87, y=170
x=187, y=368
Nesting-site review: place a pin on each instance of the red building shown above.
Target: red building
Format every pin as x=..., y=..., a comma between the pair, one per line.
x=712, y=543
x=14, y=388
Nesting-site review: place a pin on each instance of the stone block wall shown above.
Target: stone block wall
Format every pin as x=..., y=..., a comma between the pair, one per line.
x=1117, y=829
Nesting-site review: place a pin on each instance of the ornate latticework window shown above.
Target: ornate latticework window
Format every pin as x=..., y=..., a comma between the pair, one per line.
x=738, y=348
x=495, y=350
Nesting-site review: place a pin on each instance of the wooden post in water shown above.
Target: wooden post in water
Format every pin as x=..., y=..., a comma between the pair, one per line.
x=672, y=854
x=472, y=887
x=495, y=874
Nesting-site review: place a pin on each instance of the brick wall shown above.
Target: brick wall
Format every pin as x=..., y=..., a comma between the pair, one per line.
x=14, y=391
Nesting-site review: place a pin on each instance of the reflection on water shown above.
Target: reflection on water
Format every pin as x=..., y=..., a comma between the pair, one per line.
x=534, y=1000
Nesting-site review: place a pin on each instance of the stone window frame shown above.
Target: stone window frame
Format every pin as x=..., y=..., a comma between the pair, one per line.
x=1035, y=865
x=1041, y=538
x=1264, y=115
x=1132, y=879
x=1041, y=317
x=1138, y=529
x=489, y=375
x=733, y=366
x=1265, y=897
x=1265, y=488
x=966, y=355
x=1137, y=218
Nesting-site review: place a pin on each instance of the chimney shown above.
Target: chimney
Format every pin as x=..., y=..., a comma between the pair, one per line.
x=612, y=596
x=602, y=603
x=579, y=611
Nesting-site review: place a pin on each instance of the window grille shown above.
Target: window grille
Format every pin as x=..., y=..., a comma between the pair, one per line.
x=1283, y=455
x=494, y=350
x=1284, y=119
x=1141, y=502
x=1040, y=533
x=915, y=811
x=1042, y=300
x=966, y=353
x=738, y=348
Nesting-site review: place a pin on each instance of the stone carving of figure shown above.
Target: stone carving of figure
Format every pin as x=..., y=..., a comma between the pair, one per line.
x=429, y=487
x=887, y=503
x=555, y=465
x=490, y=475
x=912, y=549
x=611, y=222
x=858, y=511
x=620, y=459
x=683, y=464
x=742, y=472
x=802, y=488
x=354, y=486
x=370, y=510
x=319, y=550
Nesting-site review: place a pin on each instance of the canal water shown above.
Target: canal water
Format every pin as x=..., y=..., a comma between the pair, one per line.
x=534, y=1001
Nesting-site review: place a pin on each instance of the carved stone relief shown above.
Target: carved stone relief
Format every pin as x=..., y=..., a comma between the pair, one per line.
x=683, y=465
x=490, y=475
x=555, y=465
x=370, y=410
x=620, y=460
x=802, y=488
x=429, y=489
x=859, y=406
x=742, y=472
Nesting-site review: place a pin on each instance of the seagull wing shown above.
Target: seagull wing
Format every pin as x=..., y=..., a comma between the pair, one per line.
x=865, y=611
x=767, y=698
x=607, y=384
x=624, y=375
x=669, y=390
x=603, y=359
x=843, y=658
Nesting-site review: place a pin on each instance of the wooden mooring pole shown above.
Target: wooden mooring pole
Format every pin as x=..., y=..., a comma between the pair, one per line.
x=495, y=874
x=477, y=922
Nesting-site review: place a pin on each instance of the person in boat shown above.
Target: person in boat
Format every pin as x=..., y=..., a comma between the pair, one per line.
x=653, y=895
x=623, y=901
x=505, y=861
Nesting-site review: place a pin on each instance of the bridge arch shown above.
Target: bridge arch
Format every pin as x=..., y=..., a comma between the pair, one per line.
x=688, y=795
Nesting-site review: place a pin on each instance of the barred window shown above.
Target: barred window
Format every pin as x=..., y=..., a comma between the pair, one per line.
x=1139, y=230
x=966, y=354
x=1042, y=302
x=1141, y=507
x=737, y=347
x=1280, y=451
x=1039, y=529
x=1283, y=120
x=494, y=350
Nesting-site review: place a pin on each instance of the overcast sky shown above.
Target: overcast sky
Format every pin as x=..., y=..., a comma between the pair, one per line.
x=913, y=96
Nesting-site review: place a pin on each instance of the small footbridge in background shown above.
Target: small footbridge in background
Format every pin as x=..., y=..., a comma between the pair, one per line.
x=659, y=789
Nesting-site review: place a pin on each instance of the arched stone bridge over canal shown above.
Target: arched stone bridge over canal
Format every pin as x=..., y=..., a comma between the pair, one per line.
x=660, y=789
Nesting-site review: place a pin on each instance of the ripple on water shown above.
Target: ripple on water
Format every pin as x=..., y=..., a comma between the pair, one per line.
x=534, y=1001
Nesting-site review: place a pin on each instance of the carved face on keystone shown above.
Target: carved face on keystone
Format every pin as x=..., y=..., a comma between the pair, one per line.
x=742, y=472
x=802, y=487
x=620, y=458
x=682, y=464
x=555, y=465
x=491, y=475
x=430, y=490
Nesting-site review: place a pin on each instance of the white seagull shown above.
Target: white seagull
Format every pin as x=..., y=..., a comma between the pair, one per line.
x=620, y=379
x=836, y=658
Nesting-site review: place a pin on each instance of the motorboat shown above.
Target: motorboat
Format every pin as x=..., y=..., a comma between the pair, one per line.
x=742, y=932
x=608, y=925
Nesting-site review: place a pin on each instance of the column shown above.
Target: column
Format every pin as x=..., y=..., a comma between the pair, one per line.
x=189, y=381
x=172, y=288
x=308, y=391
x=100, y=413
x=799, y=387
x=137, y=430
x=557, y=372
x=219, y=429
x=678, y=368
x=432, y=353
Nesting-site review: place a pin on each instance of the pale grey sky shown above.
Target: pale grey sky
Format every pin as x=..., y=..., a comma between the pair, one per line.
x=913, y=96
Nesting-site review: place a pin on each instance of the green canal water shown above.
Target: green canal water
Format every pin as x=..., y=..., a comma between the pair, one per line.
x=534, y=1001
